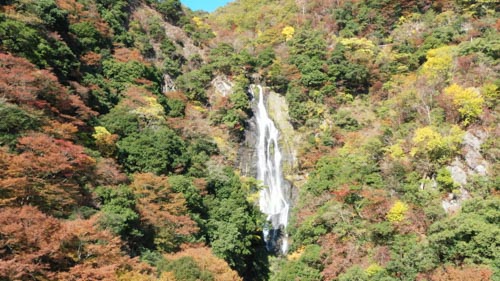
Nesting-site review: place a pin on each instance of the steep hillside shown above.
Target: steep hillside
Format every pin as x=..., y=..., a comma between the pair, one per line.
x=123, y=125
x=111, y=166
x=398, y=104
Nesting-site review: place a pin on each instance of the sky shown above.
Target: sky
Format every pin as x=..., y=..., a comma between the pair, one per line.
x=206, y=5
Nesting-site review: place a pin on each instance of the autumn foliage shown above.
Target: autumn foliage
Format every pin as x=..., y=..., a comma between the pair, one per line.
x=466, y=273
x=23, y=84
x=34, y=245
x=122, y=124
x=46, y=172
x=163, y=210
x=206, y=260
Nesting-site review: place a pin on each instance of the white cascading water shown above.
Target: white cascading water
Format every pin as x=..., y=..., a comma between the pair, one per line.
x=272, y=198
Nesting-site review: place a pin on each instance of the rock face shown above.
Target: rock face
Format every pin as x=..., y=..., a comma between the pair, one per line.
x=276, y=198
x=472, y=146
x=458, y=172
x=452, y=203
x=222, y=85
x=289, y=139
x=168, y=84
x=247, y=155
x=471, y=163
x=188, y=48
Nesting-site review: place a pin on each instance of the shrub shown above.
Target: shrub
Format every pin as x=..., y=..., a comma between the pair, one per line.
x=87, y=36
x=397, y=212
x=193, y=84
x=444, y=180
x=14, y=121
x=468, y=102
x=439, y=62
x=429, y=143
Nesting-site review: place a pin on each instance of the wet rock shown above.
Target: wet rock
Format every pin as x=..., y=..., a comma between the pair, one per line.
x=247, y=155
x=289, y=139
x=256, y=78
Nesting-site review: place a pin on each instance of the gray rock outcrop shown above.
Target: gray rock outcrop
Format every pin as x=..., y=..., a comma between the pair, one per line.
x=168, y=84
x=470, y=163
x=222, y=85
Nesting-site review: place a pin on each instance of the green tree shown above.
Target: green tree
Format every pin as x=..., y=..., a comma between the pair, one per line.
x=160, y=151
x=233, y=225
x=354, y=77
x=473, y=236
x=296, y=102
x=175, y=107
x=121, y=121
x=307, y=52
x=171, y=10
x=51, y=14
x=313, y=76
x=88, y=37
x=354, y=273
x=26, y=41
x=297, y=271
x=194, y=199
x=122, y=74
x=193, y=84
x=346, y=169
x=266, y=57
x=118, y=212
x=115, y=13
x=221, y=57
x=186, y=269
x=409, y=257
x=14, y=121
x=477, y=8
x=200, y=150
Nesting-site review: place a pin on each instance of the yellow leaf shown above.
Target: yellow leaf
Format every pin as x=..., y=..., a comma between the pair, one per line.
x=397, y=212
x=469, y=102
x=288, y=32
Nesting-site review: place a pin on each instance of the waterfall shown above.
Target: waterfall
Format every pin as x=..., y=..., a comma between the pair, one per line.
x=272, y=198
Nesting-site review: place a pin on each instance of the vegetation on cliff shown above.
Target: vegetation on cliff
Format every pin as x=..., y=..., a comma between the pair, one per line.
x=117, y=148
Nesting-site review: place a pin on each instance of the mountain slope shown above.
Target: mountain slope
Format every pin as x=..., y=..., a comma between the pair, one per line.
x=93, y=154
x=398, y=104
x=122, y=122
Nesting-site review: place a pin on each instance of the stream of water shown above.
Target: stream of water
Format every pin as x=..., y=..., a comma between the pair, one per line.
x=272, y=199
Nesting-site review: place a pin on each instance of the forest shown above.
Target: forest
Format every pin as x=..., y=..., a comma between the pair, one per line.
x=123, y=124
